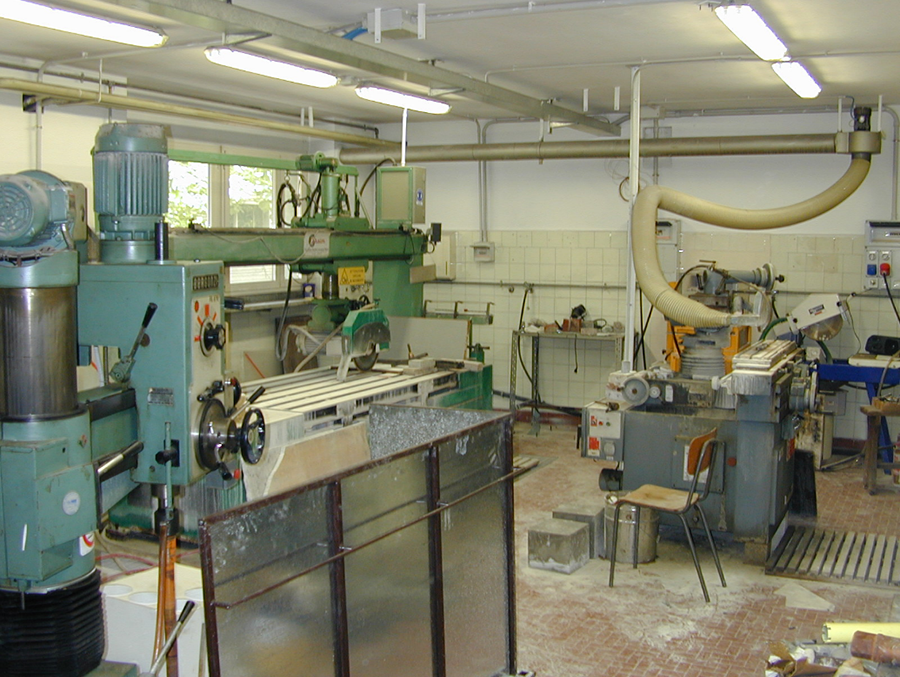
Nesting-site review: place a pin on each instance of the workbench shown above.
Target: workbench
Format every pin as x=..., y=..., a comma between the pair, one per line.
x=875, y=415
x=842, y=371
x=617, y=339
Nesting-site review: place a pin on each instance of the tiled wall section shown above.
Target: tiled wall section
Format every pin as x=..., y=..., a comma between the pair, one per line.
x=572, y=268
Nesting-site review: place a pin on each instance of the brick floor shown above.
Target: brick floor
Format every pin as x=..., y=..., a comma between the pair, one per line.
x=655, y=622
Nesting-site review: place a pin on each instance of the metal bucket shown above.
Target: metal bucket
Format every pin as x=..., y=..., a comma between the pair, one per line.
x=647, y=536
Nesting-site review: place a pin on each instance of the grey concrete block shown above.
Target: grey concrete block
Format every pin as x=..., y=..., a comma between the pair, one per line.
x=590, y=511
x=558, y=545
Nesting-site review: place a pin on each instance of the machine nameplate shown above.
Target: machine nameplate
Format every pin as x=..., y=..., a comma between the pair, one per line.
x=205, y=282
x=163, y=396
x=316, y=245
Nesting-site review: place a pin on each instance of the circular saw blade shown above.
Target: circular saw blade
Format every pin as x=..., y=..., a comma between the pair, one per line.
x=824, y=330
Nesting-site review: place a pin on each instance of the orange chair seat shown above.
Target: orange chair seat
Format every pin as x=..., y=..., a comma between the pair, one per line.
x=660, y=498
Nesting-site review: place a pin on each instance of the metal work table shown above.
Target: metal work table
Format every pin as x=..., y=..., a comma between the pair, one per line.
x=616, y=338
x=875, y=415
x=843, y=372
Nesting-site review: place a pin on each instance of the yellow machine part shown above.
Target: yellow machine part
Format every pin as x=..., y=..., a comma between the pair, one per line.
x=740, y=338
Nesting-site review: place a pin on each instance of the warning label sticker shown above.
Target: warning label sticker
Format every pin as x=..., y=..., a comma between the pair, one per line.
x=355, y=275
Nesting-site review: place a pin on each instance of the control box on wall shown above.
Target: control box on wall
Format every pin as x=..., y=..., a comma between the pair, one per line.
x=882, y=251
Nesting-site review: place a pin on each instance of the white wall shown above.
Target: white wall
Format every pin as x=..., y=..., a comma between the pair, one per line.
x=563, y=222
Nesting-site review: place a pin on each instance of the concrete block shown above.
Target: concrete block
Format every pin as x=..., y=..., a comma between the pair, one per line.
x=558, y=545
x=590, y=511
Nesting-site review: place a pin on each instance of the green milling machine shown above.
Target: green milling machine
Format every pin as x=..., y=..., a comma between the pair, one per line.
x=169, y=416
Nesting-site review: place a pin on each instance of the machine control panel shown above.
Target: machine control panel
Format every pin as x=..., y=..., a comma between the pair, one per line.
x=882, y=246
x=182, y=358
x=601, y=431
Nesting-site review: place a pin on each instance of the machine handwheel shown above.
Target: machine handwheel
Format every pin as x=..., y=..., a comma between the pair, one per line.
x=214, y=435
x=253, y=436
x=367, y=361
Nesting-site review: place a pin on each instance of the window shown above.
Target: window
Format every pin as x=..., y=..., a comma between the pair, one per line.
x=221, y=196
x=188, y=194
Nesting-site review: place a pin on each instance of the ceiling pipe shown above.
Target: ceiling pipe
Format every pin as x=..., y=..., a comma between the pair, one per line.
x=569, y=150
x=119, y=102
x=218, y=16
x=526, y=8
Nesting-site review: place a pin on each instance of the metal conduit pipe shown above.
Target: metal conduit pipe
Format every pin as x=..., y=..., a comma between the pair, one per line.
x=653, y=283
x=104, y=100
x=532, y=7
x=571, y=150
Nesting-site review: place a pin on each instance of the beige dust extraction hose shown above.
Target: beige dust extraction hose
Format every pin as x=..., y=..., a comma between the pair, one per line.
x=643, y=243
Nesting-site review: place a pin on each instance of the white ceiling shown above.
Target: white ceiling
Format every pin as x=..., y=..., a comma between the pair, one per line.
x=689, y=60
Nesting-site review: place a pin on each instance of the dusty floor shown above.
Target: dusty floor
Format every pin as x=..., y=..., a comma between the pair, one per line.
x=655, y=622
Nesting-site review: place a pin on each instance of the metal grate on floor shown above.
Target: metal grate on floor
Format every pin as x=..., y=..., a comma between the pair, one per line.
x=827, y=555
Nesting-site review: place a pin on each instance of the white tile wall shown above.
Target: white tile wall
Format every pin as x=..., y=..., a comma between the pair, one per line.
x=589, y=268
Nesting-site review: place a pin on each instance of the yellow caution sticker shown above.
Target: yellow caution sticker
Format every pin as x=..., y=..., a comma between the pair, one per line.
x=352, y=276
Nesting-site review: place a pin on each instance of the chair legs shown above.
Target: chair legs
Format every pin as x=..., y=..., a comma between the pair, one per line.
x=690, y=539
x=615, y=544
x=712, y=543
x=635, y=536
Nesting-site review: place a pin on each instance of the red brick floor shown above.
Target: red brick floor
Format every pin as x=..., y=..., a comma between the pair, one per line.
x=655, y=622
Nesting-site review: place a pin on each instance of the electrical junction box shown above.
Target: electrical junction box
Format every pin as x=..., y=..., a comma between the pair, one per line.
x=396, y=24
x=400, y=198
x=601, y=427
x=668, y=247
x=483, y=252
x=882, y=249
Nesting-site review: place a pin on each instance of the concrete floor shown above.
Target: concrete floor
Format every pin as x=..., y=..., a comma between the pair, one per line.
x=655, y=622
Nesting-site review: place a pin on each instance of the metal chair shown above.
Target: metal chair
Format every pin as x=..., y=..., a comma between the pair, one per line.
x=701, y=456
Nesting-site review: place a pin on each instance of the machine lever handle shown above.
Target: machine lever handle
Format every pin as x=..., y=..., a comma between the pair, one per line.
x=121, y=371
x=148, y=315
x=250, y=400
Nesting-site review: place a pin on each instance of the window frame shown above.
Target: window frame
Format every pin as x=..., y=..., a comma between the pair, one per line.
x=219, y=208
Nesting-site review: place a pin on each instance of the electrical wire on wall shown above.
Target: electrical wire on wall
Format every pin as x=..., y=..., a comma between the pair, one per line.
x=887, y=288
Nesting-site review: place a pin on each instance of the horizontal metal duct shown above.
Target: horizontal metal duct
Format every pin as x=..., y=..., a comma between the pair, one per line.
x=569, y=150
x=225, y=17
x=119, y=102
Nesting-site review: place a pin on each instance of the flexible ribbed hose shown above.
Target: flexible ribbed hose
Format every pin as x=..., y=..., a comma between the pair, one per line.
x=643, y=239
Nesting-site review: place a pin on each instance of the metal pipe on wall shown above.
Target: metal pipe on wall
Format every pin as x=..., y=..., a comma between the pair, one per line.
x=120, y=102
x=573, y=150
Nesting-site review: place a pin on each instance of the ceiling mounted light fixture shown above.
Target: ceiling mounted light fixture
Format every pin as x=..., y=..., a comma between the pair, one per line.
x=402, y=100
x=79, y=24
x=270, y=68
x=797, y=78
x=749, y=27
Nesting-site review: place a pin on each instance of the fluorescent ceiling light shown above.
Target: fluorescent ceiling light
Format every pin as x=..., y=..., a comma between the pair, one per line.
x=80, y=24
x=797, y=78
x=260, y=65
x=750, y=29
x=401, y=100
